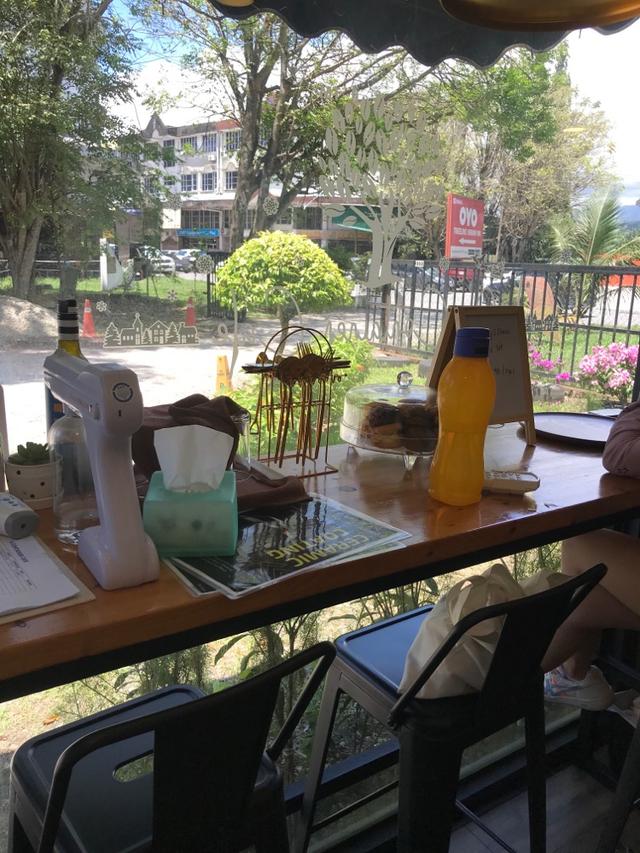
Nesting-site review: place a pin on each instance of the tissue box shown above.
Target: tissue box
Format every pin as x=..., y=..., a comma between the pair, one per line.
x=192, y=524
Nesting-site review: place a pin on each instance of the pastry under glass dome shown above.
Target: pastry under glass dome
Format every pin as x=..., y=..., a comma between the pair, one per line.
x=400, y=419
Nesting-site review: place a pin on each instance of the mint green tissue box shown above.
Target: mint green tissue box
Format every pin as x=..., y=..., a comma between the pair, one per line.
x=192, y=524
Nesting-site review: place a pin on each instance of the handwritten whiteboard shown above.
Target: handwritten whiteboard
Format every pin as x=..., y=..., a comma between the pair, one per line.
x=508, y=354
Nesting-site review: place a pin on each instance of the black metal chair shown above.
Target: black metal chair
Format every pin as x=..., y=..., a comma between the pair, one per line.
x=214, y=788
x=433, y=733
x=625, y=797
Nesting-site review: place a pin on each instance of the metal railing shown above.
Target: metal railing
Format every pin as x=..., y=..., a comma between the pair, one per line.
x=568, y=309
x=52, y=268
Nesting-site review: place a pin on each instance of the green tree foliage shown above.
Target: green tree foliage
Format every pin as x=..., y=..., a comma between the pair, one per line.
x=519, y=137
x=65, y=159
x=595, y=234
x=510, y=104
x=280, y=88
x=274, y=269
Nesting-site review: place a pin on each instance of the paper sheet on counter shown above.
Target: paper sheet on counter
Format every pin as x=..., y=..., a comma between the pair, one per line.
x=30, y=576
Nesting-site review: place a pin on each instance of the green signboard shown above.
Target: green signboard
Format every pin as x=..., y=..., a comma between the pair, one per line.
x=351, y=218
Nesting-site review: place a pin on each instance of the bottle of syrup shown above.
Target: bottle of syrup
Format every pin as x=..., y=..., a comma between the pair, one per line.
x=68, y=341
x=466, y=396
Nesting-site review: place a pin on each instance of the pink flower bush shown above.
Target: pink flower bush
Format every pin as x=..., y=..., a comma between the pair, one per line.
x=547, y=365
x=610, y=369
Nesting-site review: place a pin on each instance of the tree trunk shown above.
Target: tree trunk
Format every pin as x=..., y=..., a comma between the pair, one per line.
x=21, y=248
x=248, y=180
x=499, y=237
x=244, y=191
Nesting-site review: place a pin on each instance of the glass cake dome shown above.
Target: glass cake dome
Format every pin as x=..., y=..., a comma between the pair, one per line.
x=401, y=418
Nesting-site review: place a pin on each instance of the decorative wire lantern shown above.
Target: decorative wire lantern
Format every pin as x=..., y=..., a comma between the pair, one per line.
x=204, y=264
x=270, y=206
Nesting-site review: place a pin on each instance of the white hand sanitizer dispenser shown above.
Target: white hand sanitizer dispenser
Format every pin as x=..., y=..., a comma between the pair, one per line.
x=118, y=552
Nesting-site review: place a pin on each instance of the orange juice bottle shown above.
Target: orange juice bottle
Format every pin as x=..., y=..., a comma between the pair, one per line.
x=466, y=395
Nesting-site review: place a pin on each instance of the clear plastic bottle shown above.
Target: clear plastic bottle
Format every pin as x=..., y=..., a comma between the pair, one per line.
x=74, y=497
x=466, y=396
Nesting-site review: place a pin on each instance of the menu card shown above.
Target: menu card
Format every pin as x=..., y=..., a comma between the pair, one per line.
x=30, y=577
x=276, y=542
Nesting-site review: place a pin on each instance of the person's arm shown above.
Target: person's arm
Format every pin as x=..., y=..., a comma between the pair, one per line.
x=622, y=450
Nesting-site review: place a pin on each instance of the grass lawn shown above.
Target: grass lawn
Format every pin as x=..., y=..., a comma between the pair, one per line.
x=159, y=287
x=161, y=298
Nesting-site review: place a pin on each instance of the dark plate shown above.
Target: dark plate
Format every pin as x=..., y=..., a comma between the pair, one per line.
x=573, y=428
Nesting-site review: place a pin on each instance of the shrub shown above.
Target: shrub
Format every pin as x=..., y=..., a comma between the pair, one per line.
x=548, y=365
x=341, y=256
x=610, y=369
x=269, y=270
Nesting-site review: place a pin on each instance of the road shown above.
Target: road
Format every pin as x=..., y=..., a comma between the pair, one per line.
x=165, y=373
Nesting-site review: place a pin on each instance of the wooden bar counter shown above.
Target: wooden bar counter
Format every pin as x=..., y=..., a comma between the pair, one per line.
x=128, y=625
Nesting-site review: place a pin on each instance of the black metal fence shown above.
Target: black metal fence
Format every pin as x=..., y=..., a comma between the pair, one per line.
x=568, y=309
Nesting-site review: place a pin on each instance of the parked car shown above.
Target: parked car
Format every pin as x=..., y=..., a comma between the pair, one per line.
x=185, y=259
x=505, y=290
x=149, y=260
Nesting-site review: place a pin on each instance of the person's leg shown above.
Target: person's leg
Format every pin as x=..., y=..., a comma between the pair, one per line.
x=576, y=642
x=620, y=554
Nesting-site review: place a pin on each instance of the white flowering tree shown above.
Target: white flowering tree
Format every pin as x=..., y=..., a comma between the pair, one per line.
x=381, y=157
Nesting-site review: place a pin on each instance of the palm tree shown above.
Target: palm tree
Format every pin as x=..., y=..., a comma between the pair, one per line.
x=594, y=236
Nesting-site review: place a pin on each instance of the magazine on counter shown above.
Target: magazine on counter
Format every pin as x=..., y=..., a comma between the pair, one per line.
x=273, y=543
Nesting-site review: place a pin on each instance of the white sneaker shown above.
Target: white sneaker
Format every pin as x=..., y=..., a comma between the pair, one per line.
x=591, y=693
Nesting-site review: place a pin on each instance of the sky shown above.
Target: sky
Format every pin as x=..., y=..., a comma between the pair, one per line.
x=603, y=68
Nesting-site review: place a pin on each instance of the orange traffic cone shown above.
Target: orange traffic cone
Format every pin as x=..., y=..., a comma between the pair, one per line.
x=190, y=313
x=223, y=376
x=88, y=328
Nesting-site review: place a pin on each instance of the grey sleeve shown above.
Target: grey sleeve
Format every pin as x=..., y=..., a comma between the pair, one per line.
x=622, y=450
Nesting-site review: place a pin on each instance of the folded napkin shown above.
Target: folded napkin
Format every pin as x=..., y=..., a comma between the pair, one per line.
x=254, y=492
x=196, y=409
x=258, y=491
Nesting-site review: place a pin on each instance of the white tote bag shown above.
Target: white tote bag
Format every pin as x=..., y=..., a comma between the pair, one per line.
x=465, y=667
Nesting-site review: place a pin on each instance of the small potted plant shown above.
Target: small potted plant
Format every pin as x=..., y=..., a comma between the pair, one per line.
x=31, y=475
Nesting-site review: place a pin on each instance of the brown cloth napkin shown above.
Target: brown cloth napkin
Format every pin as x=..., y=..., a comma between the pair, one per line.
x=196, y=409
x=258, y=492
x=254, y=492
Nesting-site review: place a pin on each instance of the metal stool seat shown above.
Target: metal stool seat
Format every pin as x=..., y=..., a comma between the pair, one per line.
x=212, y=786
x=433, y=733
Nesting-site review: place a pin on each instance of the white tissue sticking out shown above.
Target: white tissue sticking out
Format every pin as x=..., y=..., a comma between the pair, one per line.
x=192, y=458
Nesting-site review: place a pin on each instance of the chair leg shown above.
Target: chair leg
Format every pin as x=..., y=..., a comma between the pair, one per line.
x=536, y=775
x=17, y=841
x=625, y=795
x=429, y=773
x=271, y=835
x=321, y=741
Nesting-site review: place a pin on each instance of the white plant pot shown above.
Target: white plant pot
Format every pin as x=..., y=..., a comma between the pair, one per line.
x=33, y=484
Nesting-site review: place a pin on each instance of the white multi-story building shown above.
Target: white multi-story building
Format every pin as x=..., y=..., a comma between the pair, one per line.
x=200, y=166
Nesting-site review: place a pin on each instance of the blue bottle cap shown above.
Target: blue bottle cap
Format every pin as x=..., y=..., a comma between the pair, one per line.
x=472, y=342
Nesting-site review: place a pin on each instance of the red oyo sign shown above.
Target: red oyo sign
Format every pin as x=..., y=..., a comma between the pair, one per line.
x=465, y=227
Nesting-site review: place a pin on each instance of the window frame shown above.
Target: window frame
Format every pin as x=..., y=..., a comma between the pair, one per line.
x=214, y=182
x=193, y=180
x=191, y=141
x=209, y=143
x=169, y=152
x=230, y=148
